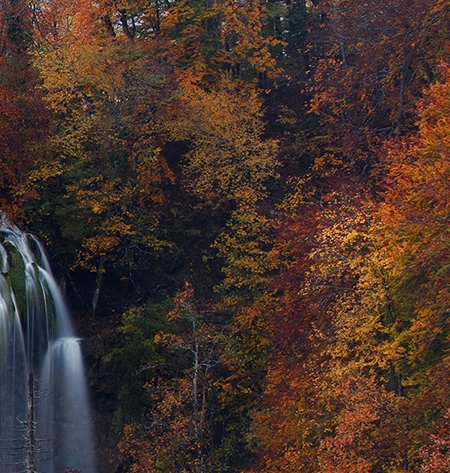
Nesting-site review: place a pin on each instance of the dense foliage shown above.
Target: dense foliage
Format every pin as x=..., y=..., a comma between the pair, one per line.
x=248, y=205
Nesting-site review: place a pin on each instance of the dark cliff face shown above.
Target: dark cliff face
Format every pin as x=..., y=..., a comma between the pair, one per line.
x=104, y=380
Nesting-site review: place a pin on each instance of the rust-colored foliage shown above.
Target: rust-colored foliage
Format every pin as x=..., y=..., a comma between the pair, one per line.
x=415, y=215
x=436, y=455
x=360, y=317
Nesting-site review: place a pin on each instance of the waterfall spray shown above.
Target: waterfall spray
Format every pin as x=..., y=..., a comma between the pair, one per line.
x=45, y=423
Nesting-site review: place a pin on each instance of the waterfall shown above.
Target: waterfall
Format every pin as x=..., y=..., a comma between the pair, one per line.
x=45, y=424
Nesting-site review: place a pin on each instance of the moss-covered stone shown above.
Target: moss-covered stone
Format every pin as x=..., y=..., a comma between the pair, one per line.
x=16, y=279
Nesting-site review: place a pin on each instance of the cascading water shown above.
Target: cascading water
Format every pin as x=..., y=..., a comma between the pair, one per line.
x=45, y=424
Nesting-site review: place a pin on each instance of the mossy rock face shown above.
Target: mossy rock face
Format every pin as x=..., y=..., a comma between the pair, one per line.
x=16, y=279
x=17, y=282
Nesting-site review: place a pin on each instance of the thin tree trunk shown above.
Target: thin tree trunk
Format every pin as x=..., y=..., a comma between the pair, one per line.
x=31, y=426
x=98, y=285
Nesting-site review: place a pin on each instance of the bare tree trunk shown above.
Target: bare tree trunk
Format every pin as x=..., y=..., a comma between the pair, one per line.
x=98, y=285
x=31, y=426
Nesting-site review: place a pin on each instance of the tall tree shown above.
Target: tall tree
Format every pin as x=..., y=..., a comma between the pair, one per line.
x=182, y=428
x=24, y=125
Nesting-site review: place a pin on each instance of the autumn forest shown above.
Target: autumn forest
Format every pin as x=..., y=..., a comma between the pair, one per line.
x=247, y=205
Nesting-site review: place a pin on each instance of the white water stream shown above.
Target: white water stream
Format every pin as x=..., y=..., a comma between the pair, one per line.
x=45, y=422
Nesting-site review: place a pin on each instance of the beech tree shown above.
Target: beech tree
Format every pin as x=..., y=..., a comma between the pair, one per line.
x=228, y=161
